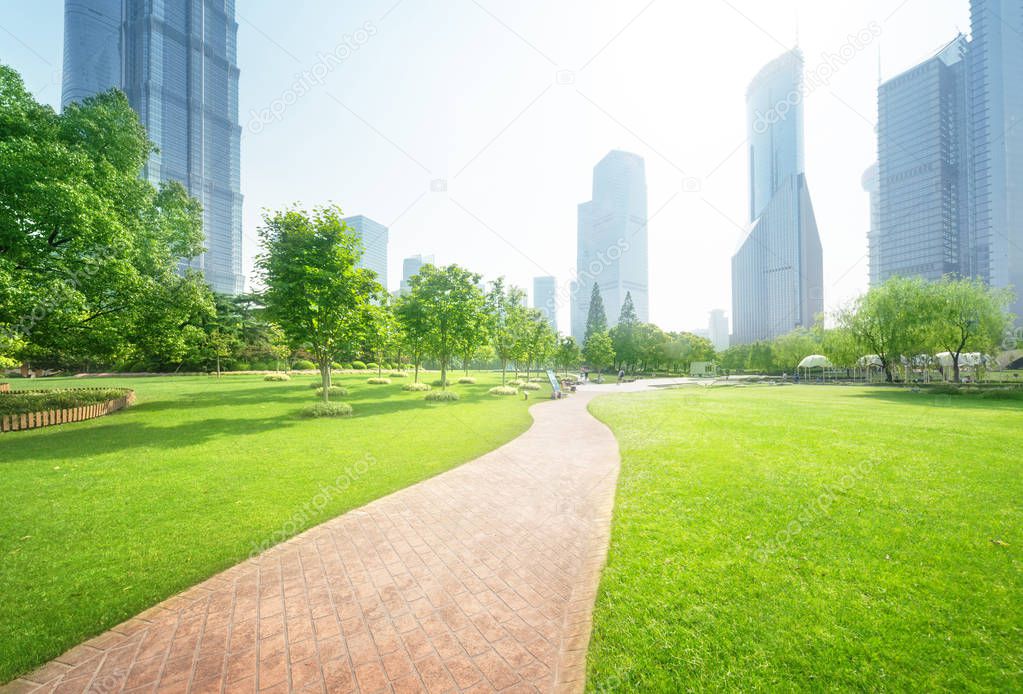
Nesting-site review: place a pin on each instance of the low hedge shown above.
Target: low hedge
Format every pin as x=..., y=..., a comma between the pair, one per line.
x=359, y=365
x=416, y=387
x=442, y=396
x=26, y=402
x=467, y=381
x=529, y=386
x=396, y=374
x=379, y=381
x=303, y=365
x=327, y=409
x=277, y=378
x=333, y=392
x=504, y=391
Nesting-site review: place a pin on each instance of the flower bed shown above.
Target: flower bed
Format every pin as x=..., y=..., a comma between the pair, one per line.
x=33, y=409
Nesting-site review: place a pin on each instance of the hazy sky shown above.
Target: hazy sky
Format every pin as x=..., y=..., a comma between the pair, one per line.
x=511, y=103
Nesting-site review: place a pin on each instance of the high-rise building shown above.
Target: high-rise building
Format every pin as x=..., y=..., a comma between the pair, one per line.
x=177, y=63
x=778, y=271
x=374, y=245
x=545, y=298
x=410, y=267
x=872, y=185
x=717, y=330
x=950, y=158
x=612, y=241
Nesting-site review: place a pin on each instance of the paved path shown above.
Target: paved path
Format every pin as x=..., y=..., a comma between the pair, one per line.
x=479, y=580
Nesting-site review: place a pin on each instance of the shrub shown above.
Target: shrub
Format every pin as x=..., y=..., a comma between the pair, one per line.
x=335, y=366
x=276, y=378
x=240, y=366
x=359, y=366
x=442, y=396
x=396, y=374
x=530, y=386
x=439, y=383
x=514, y=384
x=467, y=381
x=346, y=367
x=503, y=390
x=333, y=392
x=303, y=365
x=371, y=365
x=379, y=381
x=416, y=387
x=17, y=402
x=327, y=409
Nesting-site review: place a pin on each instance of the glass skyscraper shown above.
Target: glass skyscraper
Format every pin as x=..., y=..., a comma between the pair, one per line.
x=778, y=271
x=176, y=60
x=410, y=267
x=374, y=237
x=612, y=241
x=950, y=156
x=545, y=298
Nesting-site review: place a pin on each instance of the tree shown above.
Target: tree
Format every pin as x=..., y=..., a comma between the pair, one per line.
x=624, y=333
x=539, y=340
x=965, y=316
x=790, y=349
x=411, y=314
x=567, y=355
x=886, y=321
x=314, y=289
x=596, y=320
x=386, y=334
x=506, y=310
x=451, y=300
x=89, y=250
x=600, y=351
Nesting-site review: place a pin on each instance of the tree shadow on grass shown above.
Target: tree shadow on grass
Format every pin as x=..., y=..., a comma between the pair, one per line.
x=941, y=400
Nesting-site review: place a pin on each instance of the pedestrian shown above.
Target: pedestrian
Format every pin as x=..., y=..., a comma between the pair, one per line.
x=621, y=376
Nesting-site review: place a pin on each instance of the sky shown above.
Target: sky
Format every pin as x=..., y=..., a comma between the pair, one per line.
x=471, y=127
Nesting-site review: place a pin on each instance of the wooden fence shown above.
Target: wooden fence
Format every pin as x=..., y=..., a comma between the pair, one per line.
x=36, y=420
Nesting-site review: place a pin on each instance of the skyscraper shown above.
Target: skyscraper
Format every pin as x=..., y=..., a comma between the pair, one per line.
x=950, y=158
x=717, y=330
x=778, y=271
x=411, y=267
x=545, y=298
x=374, y=237
x=612, y=241
x=177, y=64
x=871, y=182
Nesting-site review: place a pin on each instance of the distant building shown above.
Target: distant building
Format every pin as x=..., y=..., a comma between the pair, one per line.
x=374, y=245
x=177, y=63
x=410, y=267
x=612, y=241
x=545, y=298
x=872, y=185
x=778, y=272
x=717, y=331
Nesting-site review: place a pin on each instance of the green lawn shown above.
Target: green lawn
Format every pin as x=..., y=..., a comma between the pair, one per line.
x=104, y=518
x=813, y=539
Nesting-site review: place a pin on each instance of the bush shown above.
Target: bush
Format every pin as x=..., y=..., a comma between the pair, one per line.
x=345, y=367
x=416, y=387
x=379, y=381
x=277, y=378
x=359, y=366
x=442, y=396
x=530, y=386
x=439, y=383
x=514, y=384
x=303, y=365
x=467, y=381
x=396, y=374
x=371, y=365
x=327, y=409
x=17, y=402
x=333, y=392
x=503, y=390
x=335, y=366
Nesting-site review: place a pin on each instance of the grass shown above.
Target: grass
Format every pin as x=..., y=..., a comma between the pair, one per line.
x=103, y=519
x=812, y=539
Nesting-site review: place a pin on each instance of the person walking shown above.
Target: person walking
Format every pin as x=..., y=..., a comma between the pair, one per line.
x=621, y=376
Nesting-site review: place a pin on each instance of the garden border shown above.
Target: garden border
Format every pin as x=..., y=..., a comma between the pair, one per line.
x=46, y=418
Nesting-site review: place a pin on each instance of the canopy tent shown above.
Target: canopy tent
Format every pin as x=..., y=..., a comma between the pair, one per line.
x=870, y=365
x=972, y=359
x=815, y=361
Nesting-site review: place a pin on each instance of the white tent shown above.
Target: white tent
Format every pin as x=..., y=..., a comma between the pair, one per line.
x=868, y=364
x=815, y=361
x=947, y=360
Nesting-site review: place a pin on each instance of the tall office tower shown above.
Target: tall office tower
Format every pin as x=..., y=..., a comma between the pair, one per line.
x=778, y=271
x=545, y=298
x=410, y=267
x=177, y=63
x=923, y=191
x=717, y=330
x=996, y=143
x=871, y=182
x=612, y=241
x=374, y=245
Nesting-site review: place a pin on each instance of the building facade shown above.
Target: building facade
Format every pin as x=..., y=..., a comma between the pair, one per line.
x=374, y=236
x=410, y=267
x=778, y=271
x=612, y=246
x=717, y=330
x=177, y=63
x=951, y=158
x=545, y=298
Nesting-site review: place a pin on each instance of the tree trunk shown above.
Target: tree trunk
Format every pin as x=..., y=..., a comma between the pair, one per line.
x=417, y=370
x=504, y=371
x=443, y=374
x=325, y=380
x=957, y=372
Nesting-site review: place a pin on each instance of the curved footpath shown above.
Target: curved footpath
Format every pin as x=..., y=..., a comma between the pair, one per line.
x=481, y=579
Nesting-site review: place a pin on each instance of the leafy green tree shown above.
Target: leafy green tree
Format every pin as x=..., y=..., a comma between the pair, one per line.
x=790, y=349
x=314, y=289
x=385, y=335
x=451, y=299
x=624, y=333
x=506, y=308
x=540, y=340
x=965, y=316
x=600, y=351
x=596, y=319
x=89, y=250
x=567, y=355
x=415, y=328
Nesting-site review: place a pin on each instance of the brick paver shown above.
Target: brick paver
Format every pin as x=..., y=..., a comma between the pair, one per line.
x=479, y=580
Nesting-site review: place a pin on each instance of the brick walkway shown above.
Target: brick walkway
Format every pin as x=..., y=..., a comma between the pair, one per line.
x=479, y=580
